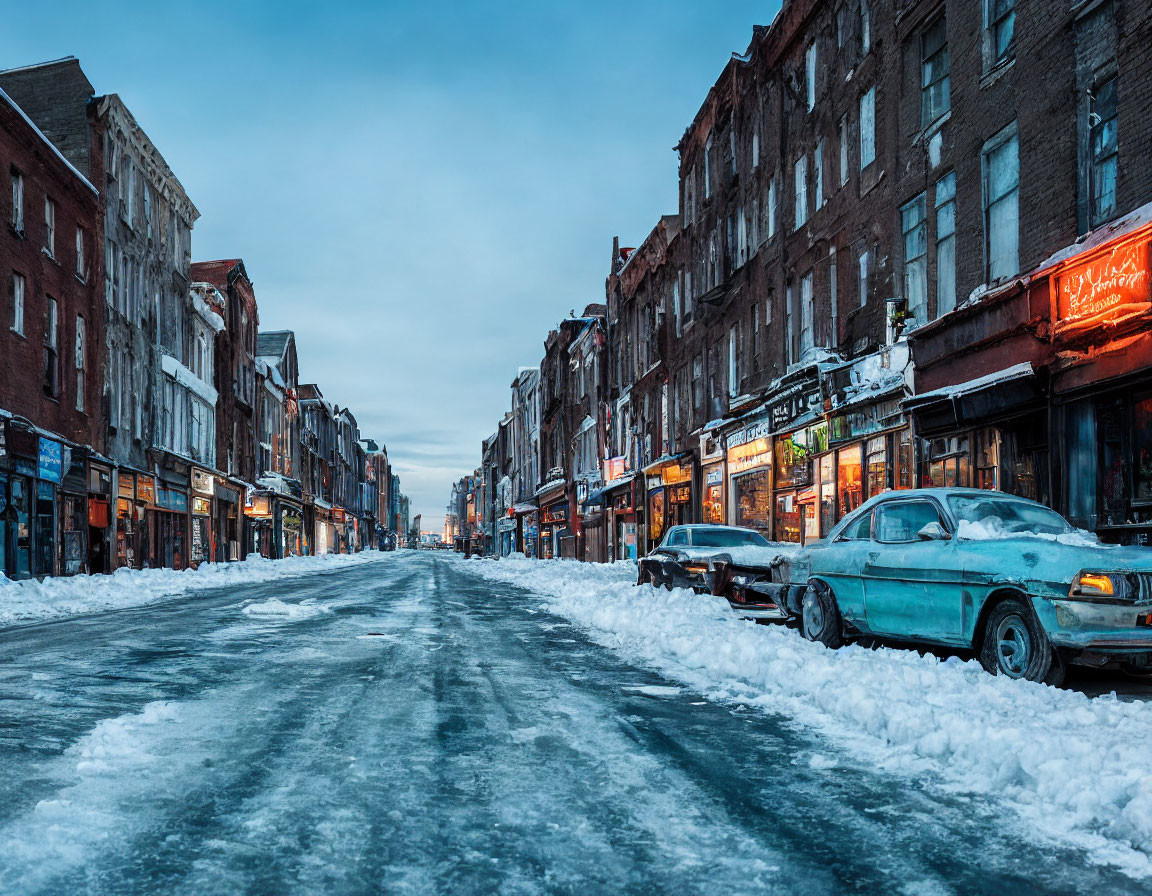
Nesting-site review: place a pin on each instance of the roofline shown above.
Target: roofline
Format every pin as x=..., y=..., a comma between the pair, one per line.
x=52, y=146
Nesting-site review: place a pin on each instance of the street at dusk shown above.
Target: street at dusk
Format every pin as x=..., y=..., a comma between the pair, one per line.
x=454, y=449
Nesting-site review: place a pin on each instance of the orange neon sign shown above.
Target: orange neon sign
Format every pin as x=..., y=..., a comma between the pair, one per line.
x=1104, y=284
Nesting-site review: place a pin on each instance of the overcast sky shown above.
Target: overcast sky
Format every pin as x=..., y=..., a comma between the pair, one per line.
x=419, y=190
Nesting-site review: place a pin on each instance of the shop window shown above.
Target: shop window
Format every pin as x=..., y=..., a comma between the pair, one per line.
x=788, y=510
x=655, y=516
x=948, y=463
x=45, y=529
x=1104, y=150
x=935, y=72
x=828, y=515
x=793, y=460
x=713, y=502
x=877, y=465
x=1142, y=450
x=752, y=499
x=988, y=459
x=849, y=480
x=946, y=243
x=905, y=460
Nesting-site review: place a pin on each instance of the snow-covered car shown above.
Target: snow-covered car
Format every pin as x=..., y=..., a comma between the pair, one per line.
x=729, y=561
x=1000, y=575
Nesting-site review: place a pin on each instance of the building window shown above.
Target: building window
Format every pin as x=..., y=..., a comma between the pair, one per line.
x=708, y=167
x=755, y=145
x=844, y=150
x=801, y=181
x=1000, y=16
x=1103, y=144
x=862, y=281
x=868, y=128
x=807, y=340
x=18, y=303
x=50, y=227
x=676, y=305
x=51, y=349
x=810, y=75
x=865, y=27
x=755, y=332
x=110, y=273
x=80, y=266
x=1001, y=158
x=833, y=297
x=770, y=208
x=934, y=72
x=914, y=226
x=733, y=355
x=81, y=349
x=946, y=243
x=820, y=173
x=18, y=202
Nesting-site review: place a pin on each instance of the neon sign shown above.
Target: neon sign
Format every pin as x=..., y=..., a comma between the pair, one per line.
x=1105, y=284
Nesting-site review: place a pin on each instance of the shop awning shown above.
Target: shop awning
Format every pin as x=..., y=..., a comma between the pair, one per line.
x=976, y=401
x=666, y=461
x=519, y=509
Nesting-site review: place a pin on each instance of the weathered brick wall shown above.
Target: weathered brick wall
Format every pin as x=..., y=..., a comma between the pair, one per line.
x=22, y=358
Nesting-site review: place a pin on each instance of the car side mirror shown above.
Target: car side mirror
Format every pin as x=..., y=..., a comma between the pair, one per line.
x=933, y=532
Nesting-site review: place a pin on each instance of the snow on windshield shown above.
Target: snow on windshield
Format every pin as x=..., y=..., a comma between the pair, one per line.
x=726, y=538
x=990, y=518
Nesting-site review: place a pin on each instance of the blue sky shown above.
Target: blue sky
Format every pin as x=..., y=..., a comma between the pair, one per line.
x=419, y=190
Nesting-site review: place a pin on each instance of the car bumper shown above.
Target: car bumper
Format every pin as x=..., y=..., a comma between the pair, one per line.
x=1100, y=628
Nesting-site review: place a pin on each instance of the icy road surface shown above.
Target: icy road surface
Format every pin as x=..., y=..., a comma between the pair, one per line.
x=409, y=726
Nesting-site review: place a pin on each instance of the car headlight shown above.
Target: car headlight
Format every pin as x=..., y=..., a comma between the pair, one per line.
x=1101, y=585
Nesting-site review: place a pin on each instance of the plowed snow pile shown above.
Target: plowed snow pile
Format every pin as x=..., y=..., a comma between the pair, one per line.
x=1072, y=768
x=33, y=601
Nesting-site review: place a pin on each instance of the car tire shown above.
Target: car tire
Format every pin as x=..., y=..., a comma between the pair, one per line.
x=820, y=616
x=1016, y=646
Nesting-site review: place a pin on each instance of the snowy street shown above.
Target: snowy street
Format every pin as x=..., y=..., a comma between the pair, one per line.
x=419, y=723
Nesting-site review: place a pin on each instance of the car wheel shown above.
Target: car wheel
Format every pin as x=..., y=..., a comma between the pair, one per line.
x=1015, y=645
x=820, y=617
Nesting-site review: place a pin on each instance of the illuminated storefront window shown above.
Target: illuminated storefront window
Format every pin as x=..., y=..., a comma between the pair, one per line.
x=849, y=480
x=713, y=500
x=752, y=499
x=877, y=465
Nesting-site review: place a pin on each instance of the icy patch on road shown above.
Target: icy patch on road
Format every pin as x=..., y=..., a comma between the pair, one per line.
x=56, y=598
x=305, y=609
x=1073, y=768
x=654, y=690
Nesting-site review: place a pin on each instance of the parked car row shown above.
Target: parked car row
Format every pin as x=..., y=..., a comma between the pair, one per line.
x=987, y=572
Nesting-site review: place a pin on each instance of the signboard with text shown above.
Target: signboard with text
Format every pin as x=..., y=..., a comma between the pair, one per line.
x=1104, y=285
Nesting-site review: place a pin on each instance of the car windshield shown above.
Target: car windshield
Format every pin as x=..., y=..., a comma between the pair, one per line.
x=998, y=515
x=726, y=538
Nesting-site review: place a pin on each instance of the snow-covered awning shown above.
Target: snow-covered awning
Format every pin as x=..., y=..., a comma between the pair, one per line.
x=188, y=379
x=978, y=400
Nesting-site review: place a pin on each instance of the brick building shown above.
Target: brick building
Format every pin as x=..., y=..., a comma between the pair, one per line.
x=52, y=357
x=912, y=247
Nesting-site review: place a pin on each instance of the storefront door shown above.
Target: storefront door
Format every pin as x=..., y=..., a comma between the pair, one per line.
x=20, y=529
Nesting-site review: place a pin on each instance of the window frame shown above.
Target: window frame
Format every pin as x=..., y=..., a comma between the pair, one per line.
x=868, y=135
x=918, y=231
x=934, y=59
x=19, y=302
x=941, y=517
x=1008, y=134
x=1110, y=153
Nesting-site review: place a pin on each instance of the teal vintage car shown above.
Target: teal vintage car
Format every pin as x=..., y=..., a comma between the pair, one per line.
x=968, y=568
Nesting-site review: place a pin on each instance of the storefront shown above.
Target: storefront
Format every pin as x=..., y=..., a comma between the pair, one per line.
x=669, y=485
x=73, y=511
x=323, y=532
x=713, y=495
x=101, y=535
x=202, y=548
x=171, y=520
x=31, y=474
x=749, y=463
x=553, y=525
x=622, y=513
x=227, y=534
x=796, y=495
x=506, y=535
x=524, y=530
x=258, y=516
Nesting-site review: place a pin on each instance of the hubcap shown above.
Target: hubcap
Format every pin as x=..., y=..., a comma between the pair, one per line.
x=813, y=616
x=1013, y=646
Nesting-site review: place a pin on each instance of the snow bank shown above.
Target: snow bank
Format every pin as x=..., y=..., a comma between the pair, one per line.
x=1074, y=769
x=54, y=598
